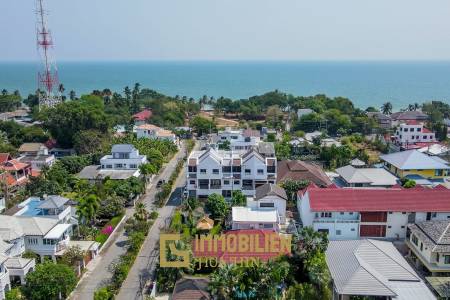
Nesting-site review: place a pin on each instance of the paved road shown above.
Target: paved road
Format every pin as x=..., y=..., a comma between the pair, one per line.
x=99, y=271
x=145, y=264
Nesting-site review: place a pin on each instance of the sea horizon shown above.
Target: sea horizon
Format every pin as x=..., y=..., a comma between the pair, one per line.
x=365, y=82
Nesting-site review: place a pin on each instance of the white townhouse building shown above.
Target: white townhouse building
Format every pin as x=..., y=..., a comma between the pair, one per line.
x=267, y=210
x=412, y=132
x=239, y=139
x=5, y=283
x=123, y=157
x=429, y=245
x=352, y=213
x=150, y=131
x=221, y=172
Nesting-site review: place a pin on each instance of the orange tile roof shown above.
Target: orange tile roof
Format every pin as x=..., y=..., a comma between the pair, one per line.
x=13, y=165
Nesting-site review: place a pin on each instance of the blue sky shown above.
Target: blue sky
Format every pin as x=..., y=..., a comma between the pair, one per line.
x=231, y=29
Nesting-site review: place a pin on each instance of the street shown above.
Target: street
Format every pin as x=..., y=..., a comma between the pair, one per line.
x=99, y=272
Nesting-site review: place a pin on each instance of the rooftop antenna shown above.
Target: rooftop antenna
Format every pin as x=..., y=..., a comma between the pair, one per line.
x=48, y=75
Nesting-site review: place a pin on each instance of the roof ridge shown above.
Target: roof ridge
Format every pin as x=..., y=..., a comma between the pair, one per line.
x=392, y=258
x=445, y=231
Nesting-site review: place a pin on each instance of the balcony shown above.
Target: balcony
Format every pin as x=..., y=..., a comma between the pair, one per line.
x=323, y=220
x=216, y=187
x=192, y=175
x=248, y=187
x=204, y=187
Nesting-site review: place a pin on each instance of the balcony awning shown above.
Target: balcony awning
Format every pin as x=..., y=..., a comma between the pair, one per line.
x=57, y=231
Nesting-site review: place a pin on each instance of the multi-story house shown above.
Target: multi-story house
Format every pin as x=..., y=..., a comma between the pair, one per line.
x=412, y=132
x=429, y=245
x=13, y=173
x=37, y=155
x=218, y=171
x=123, y=157
x=413, y=162
x=239, y=139
x=53, y=206
x=150, y=131
x=351, y=213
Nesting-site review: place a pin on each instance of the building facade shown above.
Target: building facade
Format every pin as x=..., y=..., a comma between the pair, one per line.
x=346, y=213
x=222, y=172
x=123, y=157
x=412, y=132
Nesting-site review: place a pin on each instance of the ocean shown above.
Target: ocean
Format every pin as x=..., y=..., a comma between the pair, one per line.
x=365, y=83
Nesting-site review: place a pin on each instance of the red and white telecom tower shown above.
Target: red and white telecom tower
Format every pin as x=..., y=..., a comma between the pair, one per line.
x=48, y=82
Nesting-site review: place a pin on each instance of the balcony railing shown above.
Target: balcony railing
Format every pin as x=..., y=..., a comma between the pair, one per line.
x=192, y=175
x=247, y=187
x=215, y=187
x=334, y=221
x=204, y=187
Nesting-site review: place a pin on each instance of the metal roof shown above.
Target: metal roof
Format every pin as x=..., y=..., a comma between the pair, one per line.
x=123, y=148
x=246, y=214
x=372, y=176
x=373, y=268
x=415, y=160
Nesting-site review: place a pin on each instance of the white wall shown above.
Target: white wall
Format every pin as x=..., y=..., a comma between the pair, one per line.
x=279, y=205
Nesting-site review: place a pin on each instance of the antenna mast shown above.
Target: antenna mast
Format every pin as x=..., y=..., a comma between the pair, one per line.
x=48, y=75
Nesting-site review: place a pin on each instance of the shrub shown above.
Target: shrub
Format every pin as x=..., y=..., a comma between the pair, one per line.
x=103, y=294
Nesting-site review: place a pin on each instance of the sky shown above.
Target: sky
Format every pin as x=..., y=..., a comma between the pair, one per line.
x=231, y=29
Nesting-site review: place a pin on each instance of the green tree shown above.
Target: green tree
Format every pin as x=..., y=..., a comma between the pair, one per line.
x=291, y=187
x=238, y=199
x=103, y=294
x=217, y=206
x=202, y=125
x=90, y=141
x=73, y=256
x=50, y=281
x=308, y=242
x=87, y=208
x=386, y=108
x=14, y=294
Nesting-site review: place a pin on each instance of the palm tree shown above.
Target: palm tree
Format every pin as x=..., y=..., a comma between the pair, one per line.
x=141, y=213
x=72, y=95
x=87, y=208
x=386, y=108
x=61, y=88
x=127, y=93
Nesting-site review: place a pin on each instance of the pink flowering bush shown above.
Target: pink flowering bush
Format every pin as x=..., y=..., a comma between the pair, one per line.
x=107, y=230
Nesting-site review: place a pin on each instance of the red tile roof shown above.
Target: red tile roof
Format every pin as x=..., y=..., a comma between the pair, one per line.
x=143, y=115
x=13, y=165
x=371, y=200
x=4, y=157
x=301, y=170
x=413, y=122
x=426, y=130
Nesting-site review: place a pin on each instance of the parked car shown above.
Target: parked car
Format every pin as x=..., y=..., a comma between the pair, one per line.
x=160, y=183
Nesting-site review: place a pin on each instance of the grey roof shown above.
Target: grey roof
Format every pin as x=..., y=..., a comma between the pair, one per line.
x=413, y=159
x=17, y=262
x=53, y=201
x=357, y=162
x=269, y=189
x=378, y=115
x=13, y=227
x=96, y=172
x=372, y=267
x=123, y=148
x=409, y=115
x=372, y=176
x=434, y=234
x=4, y=246
x=266, y=148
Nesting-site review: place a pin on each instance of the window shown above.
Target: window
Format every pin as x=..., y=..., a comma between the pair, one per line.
x=237, y=182
x=390, y=212
x=202, y=171
x=389, y=226
x=350, y=213
x=412, y=137
x=342, y=213
x=236, y=169
x=353, y=229
x=437, y=257
x=421, y=246
x=260, y=171
x=49, y=242
x=402, y=227
x=438, y=172
x=400, y=136
x=338, y=232
x=431, y=137
x=266, y=226
x=215, y=171
x=323, y=230
x=419, y=129
x=191, y=181
x=248, y=171
x=446, y=259
x=425, y=137
x=192, y=169
x=226, y=193
x=415, y=240
x=267, y=204
x=118, y=166
x=325, y=214
x=109, y=166
x=226, y=169
x=32, y=241
x=133, y=166
x=411, y=129
x=226, y=182
x=403, y=213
